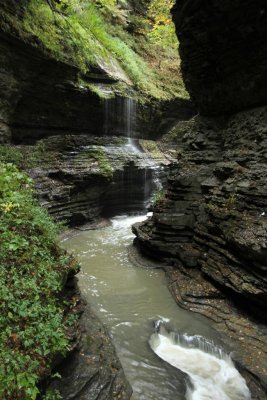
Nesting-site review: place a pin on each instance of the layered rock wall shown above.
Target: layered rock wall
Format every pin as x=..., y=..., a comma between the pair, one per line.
x=213, y=214
x=81, y=178
x=211, y=230
x=211, y=226
x=40, y=96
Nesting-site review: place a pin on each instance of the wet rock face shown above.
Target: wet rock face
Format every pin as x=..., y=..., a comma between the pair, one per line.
x=80, y=178
x=222, y=49
x=212, y=227
x=214, y=212
x=92, y=371
x=39, y=96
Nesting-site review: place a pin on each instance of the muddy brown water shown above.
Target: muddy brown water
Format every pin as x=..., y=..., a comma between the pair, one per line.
x=128, y=300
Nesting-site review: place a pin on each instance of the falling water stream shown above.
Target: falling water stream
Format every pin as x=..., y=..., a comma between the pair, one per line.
x=120, y=116
x=129, y=300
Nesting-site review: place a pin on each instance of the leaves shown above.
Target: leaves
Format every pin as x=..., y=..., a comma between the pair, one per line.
x=32, y=269
x=162, y=31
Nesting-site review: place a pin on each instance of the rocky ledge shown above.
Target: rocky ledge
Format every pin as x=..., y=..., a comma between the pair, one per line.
x=211, y=227
x=80, y=178
x=93, y=370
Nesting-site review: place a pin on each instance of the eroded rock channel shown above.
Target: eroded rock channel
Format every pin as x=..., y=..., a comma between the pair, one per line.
x=130, y=300
x=73, y=124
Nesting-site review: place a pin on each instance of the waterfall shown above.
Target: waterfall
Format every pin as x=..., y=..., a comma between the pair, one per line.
x=106, y=116
x=130, y=112
x=212, y=373
x=141, y=173
x=119, y=116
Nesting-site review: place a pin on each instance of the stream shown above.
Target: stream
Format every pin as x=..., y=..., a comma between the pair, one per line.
x=130, y=302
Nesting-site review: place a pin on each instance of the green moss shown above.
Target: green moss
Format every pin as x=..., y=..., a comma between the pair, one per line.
x=179, y=130
x=139, y=50
x=98, y=154
x=100, y=91
x=32, y=272
x=81, y=35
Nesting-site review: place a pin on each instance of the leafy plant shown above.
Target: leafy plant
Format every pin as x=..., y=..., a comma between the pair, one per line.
x=52, y=395
x=162, y=30
x=32, y=271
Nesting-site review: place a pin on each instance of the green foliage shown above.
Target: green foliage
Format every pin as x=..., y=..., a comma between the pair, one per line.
x=150, y=146
x=52, y=395
x=81, y=34
x=32, y=270
x=157, y=197
x=87, y=33
x=10, y=154
x=25, y=157
x=162, y=30
x=71, y=320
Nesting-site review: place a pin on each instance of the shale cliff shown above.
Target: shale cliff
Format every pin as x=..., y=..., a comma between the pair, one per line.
x=211, y=228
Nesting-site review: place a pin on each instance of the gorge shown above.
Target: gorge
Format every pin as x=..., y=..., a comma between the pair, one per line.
x=211, y=226
x=94, y=109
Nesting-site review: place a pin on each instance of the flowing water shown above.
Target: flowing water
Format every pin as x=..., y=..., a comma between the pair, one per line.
x=212, y=373
x=120, y=118
x=129, y=300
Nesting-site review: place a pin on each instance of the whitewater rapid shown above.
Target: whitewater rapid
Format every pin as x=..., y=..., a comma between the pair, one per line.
x=212, y=376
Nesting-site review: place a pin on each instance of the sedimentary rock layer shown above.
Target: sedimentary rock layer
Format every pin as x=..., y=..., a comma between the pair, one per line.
x=93, y=370
x=214, y=213
x=39, y=95
x=80, y=178
x=212, y=223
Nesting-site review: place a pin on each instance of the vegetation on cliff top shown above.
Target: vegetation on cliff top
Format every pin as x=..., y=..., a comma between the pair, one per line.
x=33, y=269
x=140, y=50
